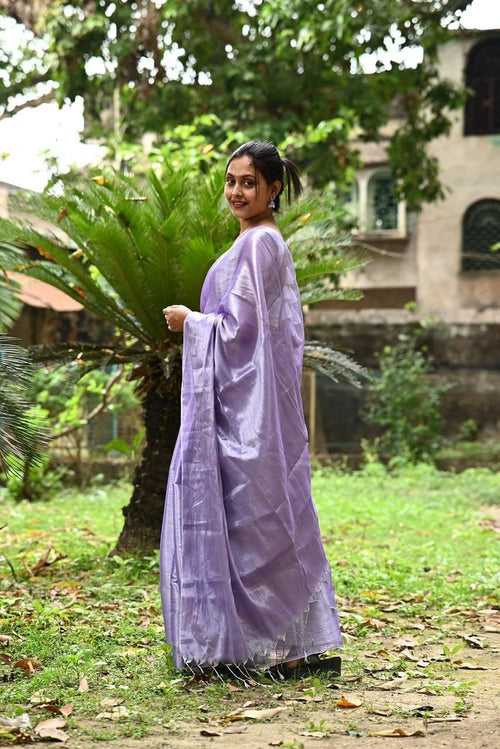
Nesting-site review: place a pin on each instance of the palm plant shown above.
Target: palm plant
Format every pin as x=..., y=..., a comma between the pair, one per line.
x=125, y=249
x=19, y=438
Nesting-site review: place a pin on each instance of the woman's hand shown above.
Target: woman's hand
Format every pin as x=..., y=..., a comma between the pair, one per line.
x=175, y=314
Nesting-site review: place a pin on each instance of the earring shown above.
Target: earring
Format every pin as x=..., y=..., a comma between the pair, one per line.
x=271, y=203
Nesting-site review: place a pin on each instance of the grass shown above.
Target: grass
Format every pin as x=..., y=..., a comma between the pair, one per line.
x=407, y=549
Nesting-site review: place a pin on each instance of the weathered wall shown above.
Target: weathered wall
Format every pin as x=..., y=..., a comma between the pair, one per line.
x=466, y=355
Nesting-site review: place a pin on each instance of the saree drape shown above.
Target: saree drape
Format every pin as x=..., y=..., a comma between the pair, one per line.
x=244, y=578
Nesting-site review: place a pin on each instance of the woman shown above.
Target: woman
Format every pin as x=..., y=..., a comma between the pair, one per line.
x=244, y=578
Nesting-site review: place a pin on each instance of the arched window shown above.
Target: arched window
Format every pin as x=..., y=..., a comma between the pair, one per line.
x=482, y=109
x=481, y=235
x=382, y=205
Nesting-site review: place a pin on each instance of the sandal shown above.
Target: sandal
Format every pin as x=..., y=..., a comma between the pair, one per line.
x=314, y=664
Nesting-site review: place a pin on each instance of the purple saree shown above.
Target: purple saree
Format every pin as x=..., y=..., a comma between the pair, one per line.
x=244, y=578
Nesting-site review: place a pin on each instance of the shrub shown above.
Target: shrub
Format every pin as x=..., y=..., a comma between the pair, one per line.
x=405, y=403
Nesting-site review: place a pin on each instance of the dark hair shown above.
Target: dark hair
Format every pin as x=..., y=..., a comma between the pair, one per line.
x=266, y=158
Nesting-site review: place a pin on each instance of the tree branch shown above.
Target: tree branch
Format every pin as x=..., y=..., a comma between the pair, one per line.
x=25, y=105
x=95, y=411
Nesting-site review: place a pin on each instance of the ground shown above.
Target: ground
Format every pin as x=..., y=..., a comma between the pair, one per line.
x=415, y=559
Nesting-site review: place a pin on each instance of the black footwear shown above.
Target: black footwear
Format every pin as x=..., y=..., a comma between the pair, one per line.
x=313, y=665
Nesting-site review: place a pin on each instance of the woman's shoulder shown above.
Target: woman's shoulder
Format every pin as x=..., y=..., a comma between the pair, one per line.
x=262, y=230
x=263, y=235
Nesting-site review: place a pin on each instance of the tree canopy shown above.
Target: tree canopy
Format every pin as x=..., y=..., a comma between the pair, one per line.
x=288, y=70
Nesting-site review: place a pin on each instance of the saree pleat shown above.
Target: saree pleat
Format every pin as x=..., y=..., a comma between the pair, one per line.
x=244, y=578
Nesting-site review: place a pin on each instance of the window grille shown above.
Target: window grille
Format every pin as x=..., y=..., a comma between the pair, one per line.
x=482, y=109
x=382, y=203
x=481, y=232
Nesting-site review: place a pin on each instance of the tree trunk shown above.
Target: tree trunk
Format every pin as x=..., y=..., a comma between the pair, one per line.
x=143, y=516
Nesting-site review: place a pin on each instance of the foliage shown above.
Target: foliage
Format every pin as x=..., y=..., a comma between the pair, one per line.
x=281, y=69
x=469, y=429
x=131, y=246
x=463, y=453
x=21, y=435
x=9, y=304
x=194, y=147
x=67, y=395
x=404, y=402
x=40, y=481
x=69, y=399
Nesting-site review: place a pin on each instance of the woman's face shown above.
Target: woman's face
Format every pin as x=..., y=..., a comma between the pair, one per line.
x=246, y=190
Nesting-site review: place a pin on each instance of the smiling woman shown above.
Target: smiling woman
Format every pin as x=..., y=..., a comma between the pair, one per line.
x=245, y=581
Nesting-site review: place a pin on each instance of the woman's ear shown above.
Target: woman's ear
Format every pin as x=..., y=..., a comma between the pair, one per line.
x=276, y=187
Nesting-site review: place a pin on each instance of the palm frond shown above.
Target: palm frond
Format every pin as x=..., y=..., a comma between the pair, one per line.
x=9, y=303
x=334, y=364
x=21, y=437
x=10, y=306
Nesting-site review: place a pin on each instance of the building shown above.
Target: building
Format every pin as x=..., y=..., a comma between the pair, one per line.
x=445, y=260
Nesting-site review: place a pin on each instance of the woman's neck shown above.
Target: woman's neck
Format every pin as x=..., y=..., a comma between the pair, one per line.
x=262, y=219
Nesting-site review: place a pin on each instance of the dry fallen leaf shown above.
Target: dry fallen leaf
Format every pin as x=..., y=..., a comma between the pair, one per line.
x=111, y=702
x=84, y=685
x=314, y=734
x=474, y=641
x=375, y=623
x=120, y=711
x=209, y=732
x=5, y=639
x=347, y=703
x=235, y=729
x=388, y=686
x=51, y=729
x=406, y=653
x=53, y=708
x=405, y=642
x=265, y=714
x=384, y=712
x=28, y=665
x=470, y=666
x=396, y=733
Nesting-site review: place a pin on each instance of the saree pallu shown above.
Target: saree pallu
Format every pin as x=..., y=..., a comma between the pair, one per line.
x=244, y=578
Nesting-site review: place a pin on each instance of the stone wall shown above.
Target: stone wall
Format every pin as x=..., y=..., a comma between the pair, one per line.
x=465, y=355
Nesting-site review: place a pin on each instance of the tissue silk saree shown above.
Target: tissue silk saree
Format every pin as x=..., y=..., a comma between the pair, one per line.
x=244, y=578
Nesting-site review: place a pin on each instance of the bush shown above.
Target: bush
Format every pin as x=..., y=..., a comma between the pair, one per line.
x=405, y=404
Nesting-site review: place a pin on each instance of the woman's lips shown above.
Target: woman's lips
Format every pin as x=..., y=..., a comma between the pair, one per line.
x=238, y=204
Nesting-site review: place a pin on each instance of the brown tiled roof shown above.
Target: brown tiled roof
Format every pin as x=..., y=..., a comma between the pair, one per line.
x=40, y=294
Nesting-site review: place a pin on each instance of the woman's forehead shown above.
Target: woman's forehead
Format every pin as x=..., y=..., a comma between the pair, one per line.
x=242, y=166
